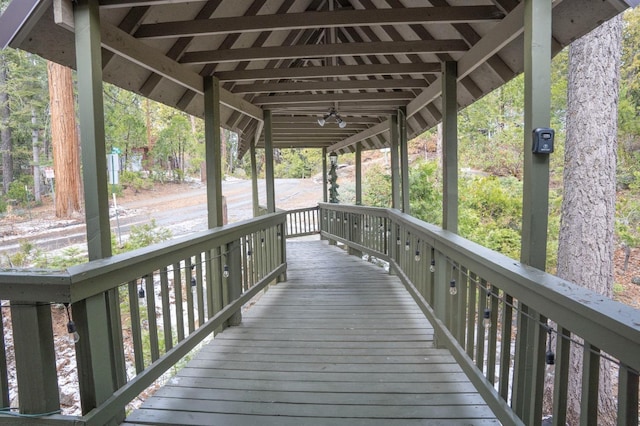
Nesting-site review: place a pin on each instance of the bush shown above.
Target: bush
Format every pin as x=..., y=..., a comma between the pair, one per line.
x=18, y=191
x=142, y=236
x=135, y=181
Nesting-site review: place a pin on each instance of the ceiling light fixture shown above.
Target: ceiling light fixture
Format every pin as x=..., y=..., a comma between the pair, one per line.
x=332, y=113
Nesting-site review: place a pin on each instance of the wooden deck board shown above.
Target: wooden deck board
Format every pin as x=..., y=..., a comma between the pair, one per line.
x=340, y=343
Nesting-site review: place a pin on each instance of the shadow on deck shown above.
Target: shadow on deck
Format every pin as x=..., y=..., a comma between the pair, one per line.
x=341, y=342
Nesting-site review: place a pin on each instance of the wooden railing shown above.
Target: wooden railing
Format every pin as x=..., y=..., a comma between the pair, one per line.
x=303, y=222
x=506, y=324
x=164, y=299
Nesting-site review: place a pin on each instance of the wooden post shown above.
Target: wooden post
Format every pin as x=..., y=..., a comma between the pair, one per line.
x=325, y=188
x=529, y=359
x=234, y=281
x=359, y=174
x=99, y=355
x=254, y=182
x=35, y=358
x=395, y=164
x=450, y=146
x=404, y=159
x=268, y=163
x=212, y=151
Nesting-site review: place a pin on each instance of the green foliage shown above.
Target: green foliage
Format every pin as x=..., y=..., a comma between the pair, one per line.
x=125, y=127
x=18, y=190
x=376, y=187
x=425, y=192
x=142, y=236
x=21, y=258
x=628, y=220
x=70, y=256
x=298, y=163
x=490, y=213
x=135, y=180
x=175, y=144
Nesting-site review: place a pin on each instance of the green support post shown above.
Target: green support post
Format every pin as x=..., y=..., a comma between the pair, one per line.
x=358, y=174
x=213, y=159
x=450, y=146
x=268, y=160
x=404, y=159
x=233, y=268
x=395, y=164
x=529, y=360
x=254, y=182
x=99, y=351
x=35, y=358
x=325, y=187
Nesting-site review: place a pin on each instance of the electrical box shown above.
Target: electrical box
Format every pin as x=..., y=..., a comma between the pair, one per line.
x=543, y=140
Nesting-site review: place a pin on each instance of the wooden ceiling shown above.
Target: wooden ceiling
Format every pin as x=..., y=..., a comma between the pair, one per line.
x=300, y=59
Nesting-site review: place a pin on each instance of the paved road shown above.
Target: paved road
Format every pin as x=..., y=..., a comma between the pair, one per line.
x=181, y=213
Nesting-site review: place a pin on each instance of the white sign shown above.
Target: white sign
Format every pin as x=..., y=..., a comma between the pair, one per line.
x=48, y=173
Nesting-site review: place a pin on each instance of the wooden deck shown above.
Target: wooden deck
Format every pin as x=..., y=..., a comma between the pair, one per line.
x=340, y=343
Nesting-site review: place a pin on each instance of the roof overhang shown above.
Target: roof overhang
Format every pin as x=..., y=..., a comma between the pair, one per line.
x=301, y=59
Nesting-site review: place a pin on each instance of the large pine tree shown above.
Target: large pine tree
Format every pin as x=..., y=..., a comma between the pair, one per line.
x=64, y=137
x=586, y=242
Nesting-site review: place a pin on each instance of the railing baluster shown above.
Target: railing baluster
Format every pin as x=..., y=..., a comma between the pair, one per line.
x=166, y=312
x=136, y=331
x=191, y=286
x=473, y=322
x=461, y=295
x=561, y=376
x=493, y=333
x=4, y=377
x=199, y=290
x=481, y=330
x=177, y=289
x=151, y=317
x=590, y=385
x=627, y=396
x=505, y=348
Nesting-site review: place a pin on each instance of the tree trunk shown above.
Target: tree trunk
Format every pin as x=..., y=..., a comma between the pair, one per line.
x=35, y=146
x=64, y=138
x=5, y=129
x=586, y=242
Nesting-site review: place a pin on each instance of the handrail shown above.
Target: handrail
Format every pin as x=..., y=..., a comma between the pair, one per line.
x=507, y=292
x=303, y=222
x=183, y=290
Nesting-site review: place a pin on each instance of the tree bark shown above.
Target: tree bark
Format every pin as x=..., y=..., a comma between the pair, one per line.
x=35, y=147
x=586, y=241
x=64, y=136
x=5, y=128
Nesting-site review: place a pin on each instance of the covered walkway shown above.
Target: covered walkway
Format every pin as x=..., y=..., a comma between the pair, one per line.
x=341, y=342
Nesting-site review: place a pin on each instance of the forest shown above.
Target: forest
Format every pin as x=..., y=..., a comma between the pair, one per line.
x=158, y=144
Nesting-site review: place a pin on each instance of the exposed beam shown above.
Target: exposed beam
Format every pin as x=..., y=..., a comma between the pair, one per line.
x=331, y=19
x=324, y=50
x=122, y=44
x=383, y=83
x=311, y=119
x=311, y=124
x=328, y=71
x=371, y=131
x=333, y=97
x=113, y=4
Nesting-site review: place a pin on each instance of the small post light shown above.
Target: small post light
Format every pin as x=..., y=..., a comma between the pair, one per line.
x=333, y=158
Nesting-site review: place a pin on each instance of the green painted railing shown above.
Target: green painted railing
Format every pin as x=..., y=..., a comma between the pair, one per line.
x=303, y=222
x=507, y=325
x=164, y=299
